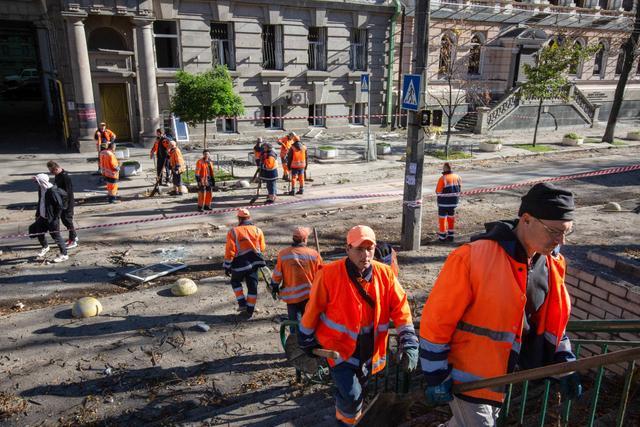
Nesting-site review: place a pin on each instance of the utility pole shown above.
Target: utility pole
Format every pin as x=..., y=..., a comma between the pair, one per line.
x=412, y=199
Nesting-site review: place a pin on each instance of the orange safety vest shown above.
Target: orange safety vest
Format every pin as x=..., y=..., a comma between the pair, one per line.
x=334, y=311
x=104, y=137
x=449, y=183
x=296, y=268
x=285, y=146
x=299, y=158
x=204, y=169
x=245, y=244
x=475, y=313
x=176, y=159
x=269, y=166
x=109, y=165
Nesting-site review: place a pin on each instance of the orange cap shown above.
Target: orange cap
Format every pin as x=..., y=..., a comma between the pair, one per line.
x=360, y=234
x=301, y=232
x=243, y=213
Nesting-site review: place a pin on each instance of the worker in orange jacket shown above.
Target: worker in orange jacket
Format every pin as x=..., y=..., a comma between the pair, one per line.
x=297, y=164
x=269, y=172
x=205, y=177
x=285, y=144
x=103, y=137
x=160, y=150
x=448, y=190
x=178, y=166
x=296, y=268
x=352, y=302
x=242, y=260
x=500, y=302
x=110, y=168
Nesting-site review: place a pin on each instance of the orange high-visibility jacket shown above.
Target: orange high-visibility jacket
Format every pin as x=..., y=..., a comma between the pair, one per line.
x=449, y=183
x=285, y=145
x=269, y=166
x=204, y=169
x=104, y=137
x=334, y=311
x=245, y=245
x=297, y=159
x=176, y=161
x=473, y=318
x=296, y=268
x=160, y=146
x=109, y=165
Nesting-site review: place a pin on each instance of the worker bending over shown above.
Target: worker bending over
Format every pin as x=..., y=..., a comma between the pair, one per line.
x=242, y=260
x=500, y=302
x=352, y=302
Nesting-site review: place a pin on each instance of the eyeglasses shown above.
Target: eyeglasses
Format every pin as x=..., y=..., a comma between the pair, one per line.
x=556, y=234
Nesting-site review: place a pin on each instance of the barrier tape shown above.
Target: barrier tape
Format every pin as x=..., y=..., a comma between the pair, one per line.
x=411, y=204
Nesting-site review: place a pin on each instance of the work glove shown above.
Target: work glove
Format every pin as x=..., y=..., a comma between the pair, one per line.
x=570, y=386
x=408, y=359
x=439, y=394
x=307, y=343
x=274, y=288
x=152, y=156
x=227, y=272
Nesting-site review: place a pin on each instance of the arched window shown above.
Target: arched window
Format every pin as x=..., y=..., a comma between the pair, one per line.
x=598, y=63
x=620, y=61
x=106, y=38
x=575, y=68
x=627, y=5
x=474, y=55
x=446, y=55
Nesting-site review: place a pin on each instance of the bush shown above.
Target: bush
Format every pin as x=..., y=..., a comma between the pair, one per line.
x=573, y=135
x=493, y=141
x=326, y=147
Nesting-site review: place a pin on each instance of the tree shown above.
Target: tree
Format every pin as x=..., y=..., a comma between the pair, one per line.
x=202, y=97
x=629, y=48
x=547, y=79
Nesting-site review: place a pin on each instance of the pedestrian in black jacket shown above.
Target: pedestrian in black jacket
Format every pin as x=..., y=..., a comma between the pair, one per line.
x=48, y=210
x=63, y=182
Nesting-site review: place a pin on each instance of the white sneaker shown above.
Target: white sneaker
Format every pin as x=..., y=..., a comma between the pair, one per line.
x=72, y=243
x=61, y=258
x=43, y=251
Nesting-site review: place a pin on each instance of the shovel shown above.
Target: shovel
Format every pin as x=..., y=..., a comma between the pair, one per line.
x=301, y=361
x=254, y=198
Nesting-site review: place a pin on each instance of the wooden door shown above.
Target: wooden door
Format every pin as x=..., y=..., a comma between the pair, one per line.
x=115, y=109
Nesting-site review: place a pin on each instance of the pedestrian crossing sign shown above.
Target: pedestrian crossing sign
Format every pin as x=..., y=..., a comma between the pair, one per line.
x=411, y=86
x=364, y=83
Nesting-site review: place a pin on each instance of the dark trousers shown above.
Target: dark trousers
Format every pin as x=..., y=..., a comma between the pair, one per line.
x=177, y=180
x=67, y=219
x=295, y=312
x=350, y=383
x=163, y=163
x=54, y=230
x=250, y=278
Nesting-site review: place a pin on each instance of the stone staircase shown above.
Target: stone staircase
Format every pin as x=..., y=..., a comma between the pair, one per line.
x=467, y=123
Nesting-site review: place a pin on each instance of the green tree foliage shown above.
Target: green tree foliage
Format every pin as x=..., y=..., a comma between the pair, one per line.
x=205, y=96
x=547, y=79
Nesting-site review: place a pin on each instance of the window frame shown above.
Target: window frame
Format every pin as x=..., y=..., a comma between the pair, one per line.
x=479, y=45
x=221, y=125
x=276, y=124
x=231, y=45
x=356, y=119
x=175, y=37
x=453, y=43
x=278, y=47
x=319, y=48
x=603, y=60
x=356, y=43
x=317, y=113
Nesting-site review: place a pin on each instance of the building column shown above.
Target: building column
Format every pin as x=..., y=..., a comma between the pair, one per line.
x=146, y=81
x=46, y=68
x=85, y=106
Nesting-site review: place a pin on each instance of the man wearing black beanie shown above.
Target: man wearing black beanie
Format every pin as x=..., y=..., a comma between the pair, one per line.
x=500, y=302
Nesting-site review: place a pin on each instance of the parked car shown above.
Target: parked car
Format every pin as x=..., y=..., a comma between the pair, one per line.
x=27, y=75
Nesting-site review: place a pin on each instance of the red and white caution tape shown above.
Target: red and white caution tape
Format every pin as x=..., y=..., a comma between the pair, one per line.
x=387, y=194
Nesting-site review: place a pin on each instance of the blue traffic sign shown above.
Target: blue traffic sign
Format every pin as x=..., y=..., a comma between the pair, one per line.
x=364, y=83
x=411, y=88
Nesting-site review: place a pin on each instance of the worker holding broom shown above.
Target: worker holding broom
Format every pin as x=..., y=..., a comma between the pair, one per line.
x=500, y=302
x=352, y=302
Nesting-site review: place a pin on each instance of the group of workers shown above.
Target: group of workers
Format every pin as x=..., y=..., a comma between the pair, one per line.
x=499, y=304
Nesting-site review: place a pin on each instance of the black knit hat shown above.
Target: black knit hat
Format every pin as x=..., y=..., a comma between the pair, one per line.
x=546, y=201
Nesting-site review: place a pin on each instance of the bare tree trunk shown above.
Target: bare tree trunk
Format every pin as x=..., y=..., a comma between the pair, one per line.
x=629, y=48
x=535, y=132
x=205, y=134
x=446, y=145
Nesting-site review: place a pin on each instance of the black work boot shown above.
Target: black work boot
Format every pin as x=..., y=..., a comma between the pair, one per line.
x=292, y=192
x=301, y=190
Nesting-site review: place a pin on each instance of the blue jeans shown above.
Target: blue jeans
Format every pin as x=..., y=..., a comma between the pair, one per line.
x=350, y=383
x=272, y=187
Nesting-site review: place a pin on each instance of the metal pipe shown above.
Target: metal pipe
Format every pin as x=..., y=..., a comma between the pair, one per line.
x=392, y=53
x=397, y=121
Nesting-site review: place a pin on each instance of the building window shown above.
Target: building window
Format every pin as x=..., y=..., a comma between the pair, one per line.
x=598, y=63
x=317, y=48
x=357, y=113
x=603, y=4
x=445, y=63
x=358, y=59
x=166, y=41
x=272, y=116
x=317, y=115
x=222, y=46
x=627, y=5
x=620, y=61
x=272, y=47
x=226, y=125
x=474, y=56
x=106, y=38
x=575, y=68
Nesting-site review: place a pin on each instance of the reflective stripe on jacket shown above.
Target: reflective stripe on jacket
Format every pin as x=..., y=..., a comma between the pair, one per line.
x=176, y=161
x=449, y=183
x=243, y=252
x=269, y=166
x=204, y=169
x=334, y=311
x=109, y=164
x=472, y=322
x=296, y=268
x=297, y=159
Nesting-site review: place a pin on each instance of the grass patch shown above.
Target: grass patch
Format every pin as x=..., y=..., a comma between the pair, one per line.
x=453, y=155
x=593, y=140
x=189, y=177
x=536, y=149
x=618, y=142
x=326, y=147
